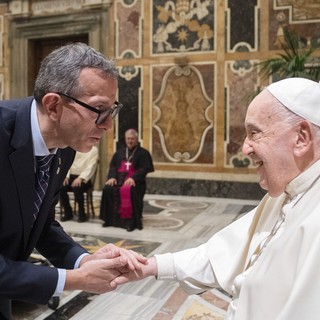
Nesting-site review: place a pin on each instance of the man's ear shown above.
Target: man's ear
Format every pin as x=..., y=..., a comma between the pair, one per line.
x=304, y=138
x=52, y=106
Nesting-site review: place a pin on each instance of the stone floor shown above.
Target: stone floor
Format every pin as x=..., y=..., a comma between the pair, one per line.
x=171, y=223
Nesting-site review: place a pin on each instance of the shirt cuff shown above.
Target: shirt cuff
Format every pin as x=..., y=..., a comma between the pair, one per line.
x=76, y=265
x=165, y=266
x=62, y=275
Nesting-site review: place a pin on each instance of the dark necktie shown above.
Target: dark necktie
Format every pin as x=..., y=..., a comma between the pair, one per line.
x=42, y=180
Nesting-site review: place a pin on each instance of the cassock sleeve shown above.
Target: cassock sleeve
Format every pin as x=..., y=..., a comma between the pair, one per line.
x=143, y=164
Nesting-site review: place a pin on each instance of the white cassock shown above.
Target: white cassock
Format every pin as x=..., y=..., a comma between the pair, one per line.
x=283, y=283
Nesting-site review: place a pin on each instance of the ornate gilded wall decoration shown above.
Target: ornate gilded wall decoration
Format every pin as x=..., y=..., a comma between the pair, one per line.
x=182, y=26
x=242, y=24
x=183, y=115
x=241, y=79
x=128, y=28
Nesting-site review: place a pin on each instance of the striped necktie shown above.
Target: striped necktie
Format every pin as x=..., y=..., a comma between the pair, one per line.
x=42, y=181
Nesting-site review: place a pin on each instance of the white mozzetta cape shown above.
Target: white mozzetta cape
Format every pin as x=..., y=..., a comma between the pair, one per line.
x=284, y=282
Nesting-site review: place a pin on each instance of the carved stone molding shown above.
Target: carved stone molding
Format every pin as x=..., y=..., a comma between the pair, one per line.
x=24, y=31
x=22, y=8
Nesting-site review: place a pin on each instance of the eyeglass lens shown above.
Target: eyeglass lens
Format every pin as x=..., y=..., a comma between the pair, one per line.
x=102, y=115
x=113, y=112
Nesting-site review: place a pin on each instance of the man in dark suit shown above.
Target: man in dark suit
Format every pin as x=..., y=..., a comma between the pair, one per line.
x=73, y=104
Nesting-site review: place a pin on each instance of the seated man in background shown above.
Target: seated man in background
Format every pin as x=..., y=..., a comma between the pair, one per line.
x=122, y=196
x=78, y=180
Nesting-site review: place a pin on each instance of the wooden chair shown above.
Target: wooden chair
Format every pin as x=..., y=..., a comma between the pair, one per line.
x=88, y=198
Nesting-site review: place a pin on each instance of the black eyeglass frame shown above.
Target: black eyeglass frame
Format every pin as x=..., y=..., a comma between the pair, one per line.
x=113, y=110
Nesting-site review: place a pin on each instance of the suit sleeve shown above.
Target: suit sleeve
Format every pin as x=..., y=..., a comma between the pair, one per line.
x=58, y=247
x=25, y=281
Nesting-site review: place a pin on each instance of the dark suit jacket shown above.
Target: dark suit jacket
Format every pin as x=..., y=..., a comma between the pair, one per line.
x=21, y=280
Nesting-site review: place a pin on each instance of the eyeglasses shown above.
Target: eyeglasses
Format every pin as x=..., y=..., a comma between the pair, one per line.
x=102, y=114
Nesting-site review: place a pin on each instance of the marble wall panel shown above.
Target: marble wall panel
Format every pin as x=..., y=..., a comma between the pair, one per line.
x=183, y=114
x=242, y=25
x=129, y=96
x=182, y=26
x=242, y=80
x=205, y=188
x=301, y=17
x=128, y=28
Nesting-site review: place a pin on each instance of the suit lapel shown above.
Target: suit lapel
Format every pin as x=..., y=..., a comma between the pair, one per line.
x=25, y=181
x=22, y=161
x=23, y=168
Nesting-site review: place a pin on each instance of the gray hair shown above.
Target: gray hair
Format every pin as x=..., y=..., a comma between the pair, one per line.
x=290, y=118
x=132, y=131
x=59, y=71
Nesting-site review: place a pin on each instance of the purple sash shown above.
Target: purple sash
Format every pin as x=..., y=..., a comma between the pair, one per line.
x=125, y=209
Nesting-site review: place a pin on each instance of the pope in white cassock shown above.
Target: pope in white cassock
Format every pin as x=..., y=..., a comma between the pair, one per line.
x=269, y=260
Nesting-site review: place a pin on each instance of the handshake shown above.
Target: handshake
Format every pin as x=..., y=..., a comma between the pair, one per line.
x=109, y=267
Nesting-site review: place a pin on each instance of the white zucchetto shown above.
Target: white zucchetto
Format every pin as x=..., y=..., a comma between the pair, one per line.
x=300, y=95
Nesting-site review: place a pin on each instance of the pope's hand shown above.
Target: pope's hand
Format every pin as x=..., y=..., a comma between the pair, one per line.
x=148, y=269
x=109, y=251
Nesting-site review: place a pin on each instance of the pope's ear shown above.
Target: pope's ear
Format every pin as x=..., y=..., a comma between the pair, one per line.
x=52, y=105
x=305, y=135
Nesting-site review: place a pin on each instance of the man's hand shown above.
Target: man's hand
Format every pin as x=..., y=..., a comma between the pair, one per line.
x=129, y=182
x=98, y=271
x=66, y=181
x=96, y=276
x=76, y=182
x=111, y=182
